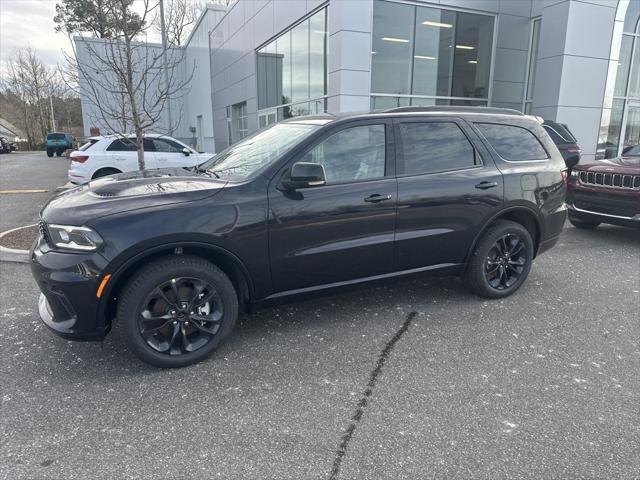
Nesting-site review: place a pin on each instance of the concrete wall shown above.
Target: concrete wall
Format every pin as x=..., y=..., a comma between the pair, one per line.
x=573, y=60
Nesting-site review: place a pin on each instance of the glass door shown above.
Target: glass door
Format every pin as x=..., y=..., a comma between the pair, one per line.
x=631, y=132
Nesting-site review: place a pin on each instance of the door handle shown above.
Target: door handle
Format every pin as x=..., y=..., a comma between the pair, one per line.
x=376, y=197
x=484, y=185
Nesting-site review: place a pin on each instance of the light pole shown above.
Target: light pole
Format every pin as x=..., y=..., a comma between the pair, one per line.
x=163, y=32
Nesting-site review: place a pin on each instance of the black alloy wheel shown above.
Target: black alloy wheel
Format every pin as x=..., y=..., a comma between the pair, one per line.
x=501, y=260
x=180, y=316
x=505, y=261
x=177, y=310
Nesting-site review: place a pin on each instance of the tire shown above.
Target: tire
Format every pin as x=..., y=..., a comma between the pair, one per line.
x=493, y=272
x=170, y=323
x=58, y=153
x=49, y=153
x=584, y=224
x=104, y=172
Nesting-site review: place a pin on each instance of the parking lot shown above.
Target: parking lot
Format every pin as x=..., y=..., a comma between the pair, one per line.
x=408, y=379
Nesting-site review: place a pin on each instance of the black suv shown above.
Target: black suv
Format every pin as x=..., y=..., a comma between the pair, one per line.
x=306, y=204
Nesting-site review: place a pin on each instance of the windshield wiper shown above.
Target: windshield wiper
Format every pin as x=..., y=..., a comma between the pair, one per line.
x=197, y=169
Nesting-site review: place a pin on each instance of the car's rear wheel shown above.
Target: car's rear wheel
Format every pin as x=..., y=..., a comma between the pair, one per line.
x=49, y=153
x=501, y=261
x=104, y=172
x=581, y=223
x=176, y=311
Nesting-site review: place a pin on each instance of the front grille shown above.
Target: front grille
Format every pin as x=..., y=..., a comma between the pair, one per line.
x=42, y=228
x=612, y=180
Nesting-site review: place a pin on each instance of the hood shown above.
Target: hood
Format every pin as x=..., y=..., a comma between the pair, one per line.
x=622, y=164
x=128, y=191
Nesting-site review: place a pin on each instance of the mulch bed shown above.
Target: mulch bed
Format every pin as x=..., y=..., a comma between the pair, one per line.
x=20, y=239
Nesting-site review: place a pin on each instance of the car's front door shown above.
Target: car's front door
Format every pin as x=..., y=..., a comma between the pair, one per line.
x=448, y=186
x=342, y=230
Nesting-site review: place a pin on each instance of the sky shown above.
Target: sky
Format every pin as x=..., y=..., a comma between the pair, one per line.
x=30, y=22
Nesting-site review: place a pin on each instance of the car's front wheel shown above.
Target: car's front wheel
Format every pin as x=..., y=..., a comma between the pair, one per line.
x=501, y=260
x=177, y=310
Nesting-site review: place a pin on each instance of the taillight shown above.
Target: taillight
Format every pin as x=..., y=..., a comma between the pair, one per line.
x=565, y=176
x=574, y=149
x=80, y=158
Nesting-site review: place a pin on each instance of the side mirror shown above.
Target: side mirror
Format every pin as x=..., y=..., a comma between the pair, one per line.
x=303, y=175
x=186, y=151
x=572, y=161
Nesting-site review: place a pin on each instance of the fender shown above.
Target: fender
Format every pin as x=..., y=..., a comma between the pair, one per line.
x=512, y=208
x=123, y=266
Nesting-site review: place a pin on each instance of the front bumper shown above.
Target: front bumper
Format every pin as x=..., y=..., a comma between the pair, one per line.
x=615, y=206
x=68, y=305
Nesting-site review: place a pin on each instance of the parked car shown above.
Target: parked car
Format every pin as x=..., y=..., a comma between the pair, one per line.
x=606, y=191
x=108, y=155
x=307, y=204
x=57, y=143
x=565, y=141
x=6, y=146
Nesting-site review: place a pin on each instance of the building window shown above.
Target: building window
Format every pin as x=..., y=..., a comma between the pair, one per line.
x=429, y=56
x=533, y=64
x=620, y=122
x=237, y=127
x=292, y=72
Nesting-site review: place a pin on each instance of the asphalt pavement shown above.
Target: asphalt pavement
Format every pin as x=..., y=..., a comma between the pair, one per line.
x=410, y=379
x=24, y=171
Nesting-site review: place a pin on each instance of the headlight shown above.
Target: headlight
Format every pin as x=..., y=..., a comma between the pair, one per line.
x=74, y=238
x=575, y=173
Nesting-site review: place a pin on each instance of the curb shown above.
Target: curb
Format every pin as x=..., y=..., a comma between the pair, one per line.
x=13, y=254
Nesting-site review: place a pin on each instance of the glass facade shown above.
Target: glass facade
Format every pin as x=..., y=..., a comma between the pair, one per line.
x=428, y=56
x=292, y=72
x=620, y=123
x=533, y=64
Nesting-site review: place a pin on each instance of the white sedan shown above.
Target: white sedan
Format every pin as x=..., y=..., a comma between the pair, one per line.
x=108, y=155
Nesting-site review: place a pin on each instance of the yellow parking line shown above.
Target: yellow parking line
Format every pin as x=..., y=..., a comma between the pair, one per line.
x=10, y=192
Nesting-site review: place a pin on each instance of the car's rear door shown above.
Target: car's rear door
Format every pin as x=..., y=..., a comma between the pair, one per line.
x=448, y=186
x=342, y=230
x=122, y=154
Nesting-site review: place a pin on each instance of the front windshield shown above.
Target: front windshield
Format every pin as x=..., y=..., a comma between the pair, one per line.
x=243, y=159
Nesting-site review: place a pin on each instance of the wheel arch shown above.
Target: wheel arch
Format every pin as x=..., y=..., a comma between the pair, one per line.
x=229, y=263
x=525, y=216
x=103, y=167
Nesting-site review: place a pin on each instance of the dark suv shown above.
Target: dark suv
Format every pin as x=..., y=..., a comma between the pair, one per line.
x=307, y=204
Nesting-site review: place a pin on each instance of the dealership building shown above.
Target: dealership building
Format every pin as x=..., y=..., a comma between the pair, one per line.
x=572, y=61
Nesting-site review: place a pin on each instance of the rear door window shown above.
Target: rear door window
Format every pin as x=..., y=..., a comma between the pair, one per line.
x=121, y=145
x=515, y=144
x=429, y=147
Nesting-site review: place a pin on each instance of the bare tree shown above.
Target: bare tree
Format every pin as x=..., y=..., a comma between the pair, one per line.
x=127, y=82
x=180, y=18
x=34, y=85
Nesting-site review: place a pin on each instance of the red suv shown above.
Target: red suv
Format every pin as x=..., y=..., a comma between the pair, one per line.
x=606, y=191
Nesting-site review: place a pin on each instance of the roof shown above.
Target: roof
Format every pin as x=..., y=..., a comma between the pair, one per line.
x=7, y=128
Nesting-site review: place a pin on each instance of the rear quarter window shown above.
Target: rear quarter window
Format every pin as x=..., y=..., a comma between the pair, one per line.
x=515, y=144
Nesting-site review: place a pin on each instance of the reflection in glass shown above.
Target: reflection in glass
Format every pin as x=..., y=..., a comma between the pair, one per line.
x=632, y=17
x=624, y=64
x=428, y=51
x=610, y=128
x=292, y=68
x=433, y=54
x=632, y=129
x=533, y=59
x=634, y=83
x=392, y=47
x=513, y=143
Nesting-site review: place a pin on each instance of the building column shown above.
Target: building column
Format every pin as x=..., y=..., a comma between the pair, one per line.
x=349, y=59
x=573, y=59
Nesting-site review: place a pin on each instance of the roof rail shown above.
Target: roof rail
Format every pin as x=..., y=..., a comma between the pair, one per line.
x=454, y=109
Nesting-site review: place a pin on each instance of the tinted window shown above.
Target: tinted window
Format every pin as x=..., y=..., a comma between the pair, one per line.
x=434, y=147
x=120, y=145
x=129, y=145
x=356, y=153
x=513, y=143
x=88, y=145
x=165, y=145
x=56, y=136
